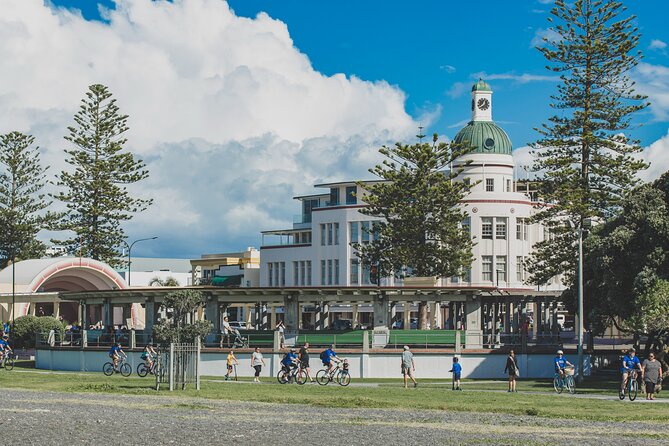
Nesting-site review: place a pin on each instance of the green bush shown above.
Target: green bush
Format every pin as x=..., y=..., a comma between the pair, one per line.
x=26, y=329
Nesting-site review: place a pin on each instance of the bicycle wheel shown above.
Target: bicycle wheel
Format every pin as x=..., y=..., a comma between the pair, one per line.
x=344, y=379
x=108, y=369
x=634, y=389
x=301, y=377
x=142, y=370
x=9, y=364
x=571, y=386
x=282, y=377
x=126, y=370
x=323, y=377
x=557, y=384
x=621, y=392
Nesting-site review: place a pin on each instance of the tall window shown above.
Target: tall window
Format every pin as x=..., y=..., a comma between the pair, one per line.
x=355, y=271
x=302, y=272
x=336, y=233
x=322, y=234
x=486, y=271
x=270, y=271
x=351, y=197
x=486, y=227
x=329, y=272
x=329, y=233
x=309, y=272
x=323, y=273
x=375, y=230
x=365, y=231
x=500, y=228
x=467, y=226
x=521, y=229
x=508, y=185
x=296, y=273
x=283, y=273
x=355, y=235
x=334, y=196
x=500, y=269
x=467, y=277
x=490, y=185
x=336, y=271
x=520, y=269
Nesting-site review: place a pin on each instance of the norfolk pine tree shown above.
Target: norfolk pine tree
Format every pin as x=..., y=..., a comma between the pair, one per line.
x=585, y=161
x=418, y=203
x=96, y=192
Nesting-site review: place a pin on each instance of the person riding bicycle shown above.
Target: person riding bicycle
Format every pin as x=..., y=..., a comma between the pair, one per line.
x=329, y=356
x=148, y=354
x=630, y=362
x=115, y=353
x=560, y=362
x=289, y=360
x=4, y=347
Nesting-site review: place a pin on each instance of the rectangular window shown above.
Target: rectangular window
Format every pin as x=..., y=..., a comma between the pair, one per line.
x=334, y=196
x=270, y=270
x=329, y=272
x=500, y=228
x=490, y=185
x=351, y=196
x=336, y=233
x=283, y=273
x=308, y=272
x=500, y=269
x=520, y=269
x=522, y=229
x=467, y=226
x=468, y=275
x=355, y=236
x=323, y=273
x=329, y=233
x=302, y=272
x=365, y=231
x=296, y=273
x=508, y=185
x=455, y=279
x=322, y=234
x=486, y=227
x=355, y=271
x=486, y=268
x=375, y=230
x=336, y=271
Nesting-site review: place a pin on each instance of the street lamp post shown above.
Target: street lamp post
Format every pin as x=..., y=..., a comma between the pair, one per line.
x=130, y=251
x=580, y=304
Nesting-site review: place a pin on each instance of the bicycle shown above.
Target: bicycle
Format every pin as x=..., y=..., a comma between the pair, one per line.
x=340, y=373
x=123, y=367
x=143, y=369
x=559, y=384
x=297, y=373
x=631, y=387
x=8, y=361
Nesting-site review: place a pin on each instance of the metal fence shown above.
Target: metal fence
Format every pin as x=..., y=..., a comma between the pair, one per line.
x=178, y=366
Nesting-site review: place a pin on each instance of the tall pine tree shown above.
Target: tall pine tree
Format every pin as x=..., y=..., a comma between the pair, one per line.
x=96, y=193
x=23, y=205
x=585, y=157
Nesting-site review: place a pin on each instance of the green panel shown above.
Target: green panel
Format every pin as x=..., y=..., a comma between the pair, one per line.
x=485, y=137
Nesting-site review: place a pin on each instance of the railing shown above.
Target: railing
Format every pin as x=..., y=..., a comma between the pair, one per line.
x=246, y=339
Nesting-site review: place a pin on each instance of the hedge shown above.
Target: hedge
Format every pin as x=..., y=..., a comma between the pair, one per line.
x=26, y=328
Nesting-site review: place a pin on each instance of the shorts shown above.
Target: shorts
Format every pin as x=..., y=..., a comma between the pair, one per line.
x=650, y=387
x=327, y=364
x=456, y=376
x=406, y=369
x=304, y=364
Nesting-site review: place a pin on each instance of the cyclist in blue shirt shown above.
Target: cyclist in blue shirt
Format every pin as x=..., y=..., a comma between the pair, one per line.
x=4, y=347
x=289, y=360
x=560, y=362
x=328, y=357
x=630, y=362
x=115, y=353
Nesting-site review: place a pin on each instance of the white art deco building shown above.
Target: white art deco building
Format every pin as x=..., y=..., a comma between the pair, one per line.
x=317, y=250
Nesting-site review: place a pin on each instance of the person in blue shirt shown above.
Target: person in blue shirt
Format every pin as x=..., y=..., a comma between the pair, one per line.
x=457, y=372
x=560, y=362
x=289, y=360
x=329, y=356
x=4, y=347
x=115, y=353
x=630, y=362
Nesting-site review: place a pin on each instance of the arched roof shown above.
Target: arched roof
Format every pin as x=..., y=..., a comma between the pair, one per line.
x=485, y=137
x=63, y=274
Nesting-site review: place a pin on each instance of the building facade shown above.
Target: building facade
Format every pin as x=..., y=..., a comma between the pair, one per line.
x=317, y=251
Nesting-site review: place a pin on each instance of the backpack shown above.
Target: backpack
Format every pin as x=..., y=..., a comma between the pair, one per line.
x=324, y=355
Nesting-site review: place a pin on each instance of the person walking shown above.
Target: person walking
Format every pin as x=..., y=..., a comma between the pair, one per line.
x=408, y=367
x=281, y=329
x=257, y=361
x=651, y=372
x=303, y=357
x=457, y=373
x=512, y=369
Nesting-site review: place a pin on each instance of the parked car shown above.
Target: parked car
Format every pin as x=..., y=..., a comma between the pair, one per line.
x=342, y=324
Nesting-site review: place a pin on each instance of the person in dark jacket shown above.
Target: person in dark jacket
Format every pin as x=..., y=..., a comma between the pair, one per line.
x=512, y=369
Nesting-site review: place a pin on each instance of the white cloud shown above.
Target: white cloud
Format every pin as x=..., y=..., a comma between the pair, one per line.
x=523, y=78
x=447, y=68
x=657, y=44
x=524, y=161
x=458, y=89
x=653, y=81
x=544, y=36
x=230, y=117
x=657, y=154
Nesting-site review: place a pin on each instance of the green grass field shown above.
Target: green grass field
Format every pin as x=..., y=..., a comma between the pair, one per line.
x=534, y=397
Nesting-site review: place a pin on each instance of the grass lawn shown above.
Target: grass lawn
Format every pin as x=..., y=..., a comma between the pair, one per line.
x=387, y=394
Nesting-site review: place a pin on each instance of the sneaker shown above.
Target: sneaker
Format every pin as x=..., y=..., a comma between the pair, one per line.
x=415, y=385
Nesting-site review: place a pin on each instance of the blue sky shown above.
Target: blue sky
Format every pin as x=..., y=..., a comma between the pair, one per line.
x=237, y=109
x=433, y=50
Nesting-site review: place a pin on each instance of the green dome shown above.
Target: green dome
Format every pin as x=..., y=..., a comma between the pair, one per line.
x=486, y=137
x=481, y=85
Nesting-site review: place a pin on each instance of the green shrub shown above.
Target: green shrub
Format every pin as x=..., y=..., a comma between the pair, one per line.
x=26, y=329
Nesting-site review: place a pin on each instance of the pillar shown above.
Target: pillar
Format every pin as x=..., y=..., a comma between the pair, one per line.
x=291, y=310
x=318, y=317
x=407, y=315
x=355, y=317
x=473, y=333
x=264, y=325
x=212, y=312
x=380, y=312
x=393, y=311
x=325, y=316
x=247, y=314
x=434, y=315
x=107, y=315
x=536, y=315
x=56, y=309
x=149, y=316
x=272, y=322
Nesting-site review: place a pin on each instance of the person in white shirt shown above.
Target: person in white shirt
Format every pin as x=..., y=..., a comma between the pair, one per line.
x=257, y=361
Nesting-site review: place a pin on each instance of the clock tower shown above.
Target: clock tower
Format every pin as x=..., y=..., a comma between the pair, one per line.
x=481, y=101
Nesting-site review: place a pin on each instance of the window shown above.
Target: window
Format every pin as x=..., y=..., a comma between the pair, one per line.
x=467, y=277
x=467, y=226
x=351, y=196
x=334, y=196
x=486, y=264
x=520, y=229
x=270, y=271
x=486, y=227
x=308, y=272
x=500, y=269
x=322, y=234
x=355, y=236
x=366, y=275
x=307, y=207
x=500, y=228
x=336, y=271
x=336, y=233
x=302, y=272
x=508, y=185
x=375, y=230
x=355, y=271
x=283, y=273
x=329, y=272
x=296, y=273
x=520, y=269
x=329, y=233
x=455, y=279
x=365, y=231
x=490, y=185
x=323, y=277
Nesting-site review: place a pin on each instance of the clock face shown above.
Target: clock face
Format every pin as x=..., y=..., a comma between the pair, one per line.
x=483, y=104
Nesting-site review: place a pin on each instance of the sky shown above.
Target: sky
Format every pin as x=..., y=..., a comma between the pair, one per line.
x=237, y=107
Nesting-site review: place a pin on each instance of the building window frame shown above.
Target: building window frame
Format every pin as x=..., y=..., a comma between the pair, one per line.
x=490, y=185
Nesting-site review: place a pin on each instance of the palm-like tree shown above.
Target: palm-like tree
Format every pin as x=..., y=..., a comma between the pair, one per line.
x=167, y=281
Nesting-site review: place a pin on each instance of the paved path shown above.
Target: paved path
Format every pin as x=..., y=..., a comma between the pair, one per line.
x=48, y=418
